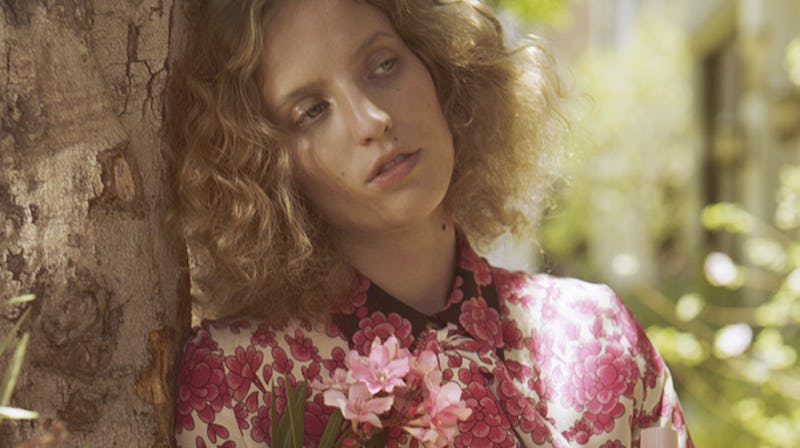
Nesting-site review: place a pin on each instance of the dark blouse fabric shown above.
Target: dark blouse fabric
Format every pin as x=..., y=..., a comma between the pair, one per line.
x=542, y=362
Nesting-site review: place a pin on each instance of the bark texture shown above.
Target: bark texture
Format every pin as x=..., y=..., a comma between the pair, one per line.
x=82, y=199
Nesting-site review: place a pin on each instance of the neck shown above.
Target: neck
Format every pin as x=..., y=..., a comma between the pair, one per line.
x=415, y=264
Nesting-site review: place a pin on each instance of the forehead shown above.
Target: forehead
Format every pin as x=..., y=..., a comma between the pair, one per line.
x=304, y=38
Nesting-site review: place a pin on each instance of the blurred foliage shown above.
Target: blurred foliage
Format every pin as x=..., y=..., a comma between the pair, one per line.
x=555, y=13
x=727, y=323
x=742, y=348
x=631, y=180
x=793, y=60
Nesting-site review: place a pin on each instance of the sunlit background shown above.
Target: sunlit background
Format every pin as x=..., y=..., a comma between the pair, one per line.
x=682, y=191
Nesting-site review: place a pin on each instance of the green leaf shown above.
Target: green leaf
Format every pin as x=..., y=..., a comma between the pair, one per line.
x=6, y=341
x=17, y=413
x=329, y=435
x=552, y=12
x=21, y=299
x=279, y=427
x=273, y=418
x=13, y=371
x=296, y=406
x=283, y=438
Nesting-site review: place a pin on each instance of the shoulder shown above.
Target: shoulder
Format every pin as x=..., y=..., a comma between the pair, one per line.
x=580, y=310
x=229, y=367
x=235, y=357
x=254, y=340
x=568, y=316
x=594, y=365
x=529, y=290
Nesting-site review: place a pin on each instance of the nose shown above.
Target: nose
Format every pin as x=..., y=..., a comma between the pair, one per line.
x=368, y=120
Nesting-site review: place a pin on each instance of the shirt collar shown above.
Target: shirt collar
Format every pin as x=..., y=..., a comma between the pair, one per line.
x=472, y=278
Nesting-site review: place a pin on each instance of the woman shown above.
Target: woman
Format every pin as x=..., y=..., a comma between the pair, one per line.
x=335, y=159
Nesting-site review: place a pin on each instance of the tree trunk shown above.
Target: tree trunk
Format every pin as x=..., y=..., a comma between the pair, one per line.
x=82, y=200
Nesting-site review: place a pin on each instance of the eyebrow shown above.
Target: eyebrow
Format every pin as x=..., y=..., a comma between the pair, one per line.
x=372, y=39
x=314, y=85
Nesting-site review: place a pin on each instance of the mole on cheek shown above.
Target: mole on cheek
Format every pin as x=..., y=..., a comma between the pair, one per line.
x=341, y=174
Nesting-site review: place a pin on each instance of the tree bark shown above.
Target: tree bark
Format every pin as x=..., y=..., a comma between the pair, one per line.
x=82, y=201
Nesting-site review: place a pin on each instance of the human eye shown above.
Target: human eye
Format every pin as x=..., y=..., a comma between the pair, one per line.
x=312, y=112
x=385, y=67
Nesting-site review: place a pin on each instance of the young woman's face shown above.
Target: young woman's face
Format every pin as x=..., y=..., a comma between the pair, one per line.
x=370, y=143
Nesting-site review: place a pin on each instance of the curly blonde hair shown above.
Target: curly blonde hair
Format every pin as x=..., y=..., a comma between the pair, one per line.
x=238, y=202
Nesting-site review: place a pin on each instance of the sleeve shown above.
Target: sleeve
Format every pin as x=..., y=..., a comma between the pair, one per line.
x=669, y=414
x=589, y=363
x=658, y=404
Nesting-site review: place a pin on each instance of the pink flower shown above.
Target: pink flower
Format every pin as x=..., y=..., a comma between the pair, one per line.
x=385, y=367
x=441, y=411
x=428, y=436
x=444, y=403
x=421, y=365
x=359, y=405
x=341, y=381
x=404, y=390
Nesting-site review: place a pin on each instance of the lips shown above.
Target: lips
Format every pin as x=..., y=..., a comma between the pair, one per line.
x=392, y=163
x=389, y=165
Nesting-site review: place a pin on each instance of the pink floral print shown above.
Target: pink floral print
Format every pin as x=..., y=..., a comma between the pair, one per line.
x=380, y=325
x=487, y=426
x=539, y=361
x=202, y=390
x=242, y=368
x=481, y=321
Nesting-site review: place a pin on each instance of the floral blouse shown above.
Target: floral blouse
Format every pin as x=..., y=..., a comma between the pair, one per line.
x=542, y=362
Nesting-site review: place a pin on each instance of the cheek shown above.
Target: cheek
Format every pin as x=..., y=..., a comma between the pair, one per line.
x=318, y=177
x=310, y=173
x=307, y=167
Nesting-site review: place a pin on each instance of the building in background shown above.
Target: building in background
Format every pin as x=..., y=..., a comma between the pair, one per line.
x=741, y=124
x=748, y=103
x=690, y=103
